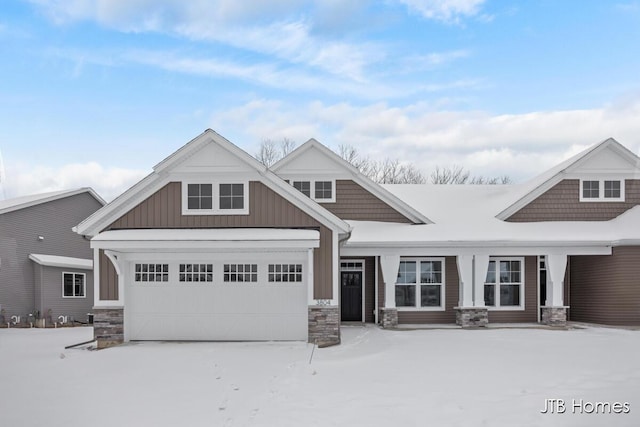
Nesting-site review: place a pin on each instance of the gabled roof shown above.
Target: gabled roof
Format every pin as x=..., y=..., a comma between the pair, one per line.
x=374, y=188
x=160, y=175
x=23, y=202
x=543, y=182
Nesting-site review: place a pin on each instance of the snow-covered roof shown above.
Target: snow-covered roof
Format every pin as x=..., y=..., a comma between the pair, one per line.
x=62, y=261
x=17, y=203
x=465, y=217
x=209, y=238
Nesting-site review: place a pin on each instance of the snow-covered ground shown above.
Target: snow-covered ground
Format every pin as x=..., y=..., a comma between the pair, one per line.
x=375, y=378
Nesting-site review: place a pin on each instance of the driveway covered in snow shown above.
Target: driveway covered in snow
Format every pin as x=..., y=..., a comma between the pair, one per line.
x=375, y=378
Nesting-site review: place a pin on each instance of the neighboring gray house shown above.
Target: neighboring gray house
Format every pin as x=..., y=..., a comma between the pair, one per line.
x=46, y=268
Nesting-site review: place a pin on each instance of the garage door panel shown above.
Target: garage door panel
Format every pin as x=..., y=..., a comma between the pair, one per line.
x=216, y=311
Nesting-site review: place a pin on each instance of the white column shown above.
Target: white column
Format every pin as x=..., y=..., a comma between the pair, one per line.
x=96, y=277
x=310, y=281
x=481, y=264
x=556, y=267
x=465, y=273
x=389, y=265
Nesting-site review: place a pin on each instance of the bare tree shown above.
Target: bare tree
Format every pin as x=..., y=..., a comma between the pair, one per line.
x=387, y=171
x=458, y=175
x=271, y=151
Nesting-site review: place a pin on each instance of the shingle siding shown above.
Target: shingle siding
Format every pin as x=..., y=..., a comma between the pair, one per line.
x=19, y=231
x=562, y=203
x=355, y=203
x=606, y=288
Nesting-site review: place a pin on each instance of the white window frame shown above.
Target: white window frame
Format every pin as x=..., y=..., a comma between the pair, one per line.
x=601, y=197
x=497, y=306
x=84, y=284
x=418, y=290
x=216, y=198
x=312, y=188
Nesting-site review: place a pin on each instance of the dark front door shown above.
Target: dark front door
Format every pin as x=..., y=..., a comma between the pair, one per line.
x=351, y=295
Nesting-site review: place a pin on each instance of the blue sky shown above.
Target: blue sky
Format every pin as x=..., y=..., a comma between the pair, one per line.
x=94, y=93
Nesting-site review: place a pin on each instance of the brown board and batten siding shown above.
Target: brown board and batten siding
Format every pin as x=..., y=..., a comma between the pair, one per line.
x=355, y=203
x=562, y=203
x=267, y=209
x=606, y=288
x=451, y=297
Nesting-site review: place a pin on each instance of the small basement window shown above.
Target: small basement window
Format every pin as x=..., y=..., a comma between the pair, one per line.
x=73, y=285
x=607, y=190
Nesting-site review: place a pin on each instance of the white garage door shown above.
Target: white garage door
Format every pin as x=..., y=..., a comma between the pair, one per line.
x=207, y=299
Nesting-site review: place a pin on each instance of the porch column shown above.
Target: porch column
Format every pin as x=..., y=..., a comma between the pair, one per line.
x=555, y=312
x=108, y=320
x=389, y=265
x=481, y=265
x=465, y=273
x=471, y=311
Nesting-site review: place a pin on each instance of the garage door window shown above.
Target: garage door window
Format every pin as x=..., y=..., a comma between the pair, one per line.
x=152, y=273
x=241, y=272
x=196, y=273
x=285, y=272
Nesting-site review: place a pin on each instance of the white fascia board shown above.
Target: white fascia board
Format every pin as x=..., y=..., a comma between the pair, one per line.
x=121, y=204
x=309, y=206
x=253, y=245
x=478, y=250
x=62, y=261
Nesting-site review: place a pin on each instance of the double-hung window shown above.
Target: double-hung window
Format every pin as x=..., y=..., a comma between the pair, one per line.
x=215, y=198
x=73, y=285
x=420, y=283
x=504, y=285
x=603, y=190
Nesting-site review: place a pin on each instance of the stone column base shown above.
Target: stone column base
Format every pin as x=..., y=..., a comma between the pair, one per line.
x=554, y=316
x=108, y=326
x=324, y=325
x=389, y=317
x=472, y=317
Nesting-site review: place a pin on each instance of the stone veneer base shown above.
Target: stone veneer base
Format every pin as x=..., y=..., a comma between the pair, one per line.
x=108, y=326
x=324, y=325
x=472, y=317
x=554, y=316
x=389, y=317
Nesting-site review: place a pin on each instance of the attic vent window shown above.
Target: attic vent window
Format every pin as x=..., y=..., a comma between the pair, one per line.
x=606, y=190
x=323, y=190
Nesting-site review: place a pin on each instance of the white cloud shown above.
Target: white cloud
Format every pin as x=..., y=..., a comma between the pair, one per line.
x=108, y=182
x=277, y=28
x=444, y=10
x=518, y=145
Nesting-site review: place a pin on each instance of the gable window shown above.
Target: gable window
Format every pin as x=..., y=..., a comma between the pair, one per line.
x=323, y=190
x=590, y=189
x=215, y=198
x=303, y=186
x=420, y=283
x=231, y=196
x=200, y=196
x=612, y=189
x=73, y=285
x=503, y=287
x=605, y=190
